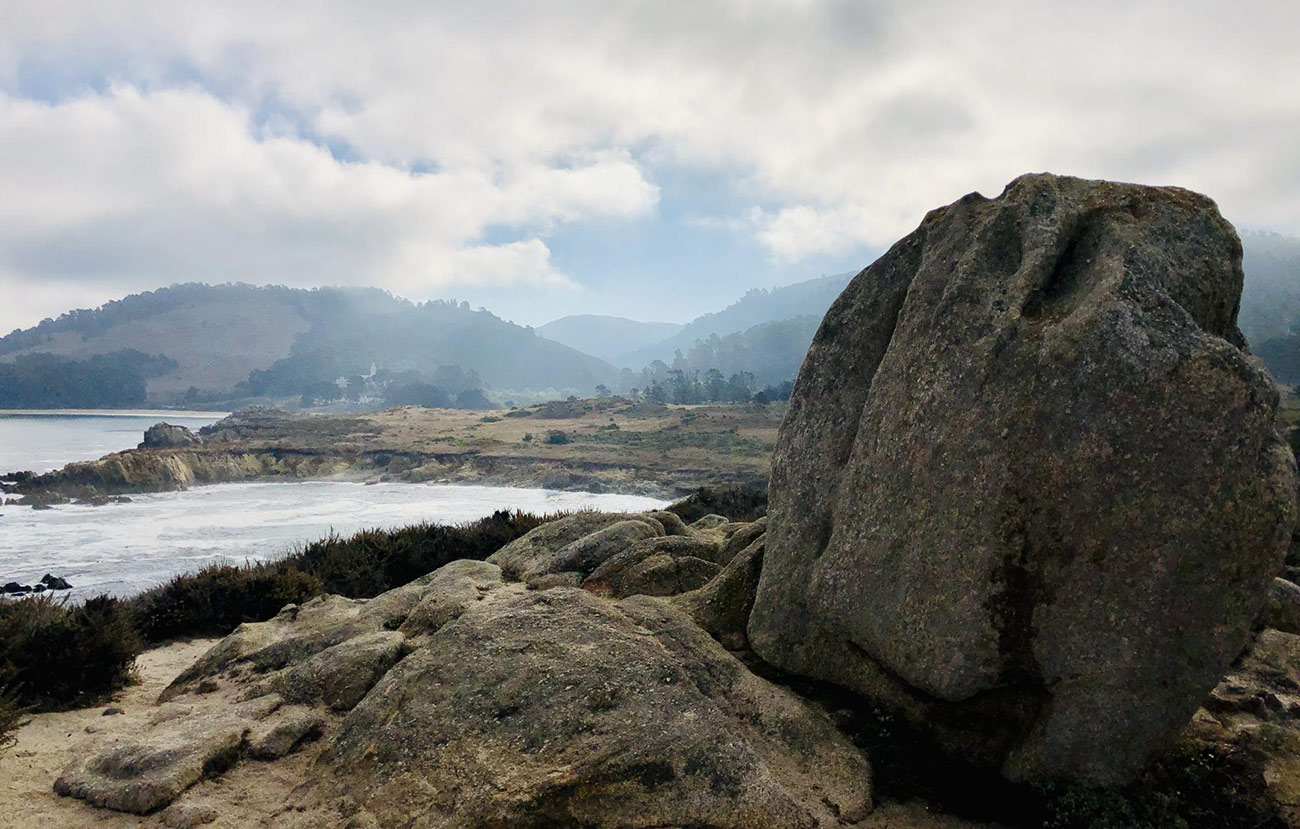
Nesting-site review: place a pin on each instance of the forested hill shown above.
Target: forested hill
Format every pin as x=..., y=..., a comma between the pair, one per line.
x=757, y=306
x=1270, y=303
x=217, y=336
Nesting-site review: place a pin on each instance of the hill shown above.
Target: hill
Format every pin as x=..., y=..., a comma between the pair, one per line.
x=220, y=337
x=759, y=305
x=1270, y=303
x=608, y=338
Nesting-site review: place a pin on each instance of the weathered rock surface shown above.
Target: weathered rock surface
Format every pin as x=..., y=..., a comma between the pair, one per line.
x=559, y=708
x=1282, y=607
x=1029, y=489
x=144, y=775
x=577, y=543
x=656, y=567
x=167, y=436
x=722, y=607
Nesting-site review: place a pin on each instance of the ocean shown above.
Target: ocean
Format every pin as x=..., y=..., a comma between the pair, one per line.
x=123, y=549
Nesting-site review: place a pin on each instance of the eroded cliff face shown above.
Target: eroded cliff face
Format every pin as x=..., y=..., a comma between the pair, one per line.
x=1029, y=489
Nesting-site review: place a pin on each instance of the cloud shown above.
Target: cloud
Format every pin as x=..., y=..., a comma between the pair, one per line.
x=176, y=184
x=415, y=145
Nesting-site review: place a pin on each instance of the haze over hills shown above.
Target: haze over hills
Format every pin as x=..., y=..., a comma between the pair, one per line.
x=757, y=306
x=218, y=336
x=609, y=338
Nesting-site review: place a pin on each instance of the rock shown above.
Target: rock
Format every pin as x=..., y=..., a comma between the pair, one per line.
x=710, y=522
x=1282, y=607
x=148, y=772
x=536, y=552
x=448, y=591
x=1029, y=491
x=670, y=521
x=55, y=582
x=15, y=587
x=656, y=567
x=284, y=734
x=167, y=436
x=1253, y=716
x=341, y=675
x=722, y=606
x=560, y=708
x=112, y=712
x=296, y=634
x=581, y=555
x=38, y=588
x=741, y=539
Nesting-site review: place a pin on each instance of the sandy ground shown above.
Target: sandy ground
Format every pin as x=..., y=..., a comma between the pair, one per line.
x=248, y=795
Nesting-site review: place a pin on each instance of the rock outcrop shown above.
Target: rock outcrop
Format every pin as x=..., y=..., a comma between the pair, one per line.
x=466, y=699
x=559, y=708
x=1029, y=490
x=167, y=436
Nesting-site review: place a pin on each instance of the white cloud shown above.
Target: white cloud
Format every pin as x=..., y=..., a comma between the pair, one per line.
x=843, y=122
x=175, y=184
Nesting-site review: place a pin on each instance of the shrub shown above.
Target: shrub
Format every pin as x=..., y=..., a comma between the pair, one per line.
x=373, y=561
x=747, y=502
x=57, y=655
x=11, y=717
x=218, y=598
x=557, y=437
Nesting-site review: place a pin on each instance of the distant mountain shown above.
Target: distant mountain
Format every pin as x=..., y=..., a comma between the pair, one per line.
x=608, y=338
x=218, y=336
x=772, y=352
x=759, y=305
x=1271, y=299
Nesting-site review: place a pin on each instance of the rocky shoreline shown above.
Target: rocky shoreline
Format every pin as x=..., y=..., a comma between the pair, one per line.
x=453, y=448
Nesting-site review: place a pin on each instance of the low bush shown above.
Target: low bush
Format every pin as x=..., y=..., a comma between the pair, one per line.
x=58, y=655
x=555, y=436
x=747, y=502
x=218, y=599
x=11, y=717
x=370, y=562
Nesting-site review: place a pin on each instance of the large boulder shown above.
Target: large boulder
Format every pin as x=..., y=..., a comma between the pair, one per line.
x=1029, y=490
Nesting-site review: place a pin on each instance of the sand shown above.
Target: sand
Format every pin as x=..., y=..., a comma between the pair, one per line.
x=249, y=795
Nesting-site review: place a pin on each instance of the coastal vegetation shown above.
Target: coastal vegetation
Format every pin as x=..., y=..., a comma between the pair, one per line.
x=54, y=654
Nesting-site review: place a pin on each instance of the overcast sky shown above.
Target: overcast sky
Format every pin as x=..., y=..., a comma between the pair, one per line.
x=648, y=159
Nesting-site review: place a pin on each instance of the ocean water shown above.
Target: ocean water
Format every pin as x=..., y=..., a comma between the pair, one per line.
x=41, y=441
x=123, y=549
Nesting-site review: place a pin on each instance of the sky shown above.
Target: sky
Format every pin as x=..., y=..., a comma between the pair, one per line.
x=645, y=159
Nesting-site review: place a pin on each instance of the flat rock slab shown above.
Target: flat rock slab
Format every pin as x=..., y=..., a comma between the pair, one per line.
x=141, y=776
